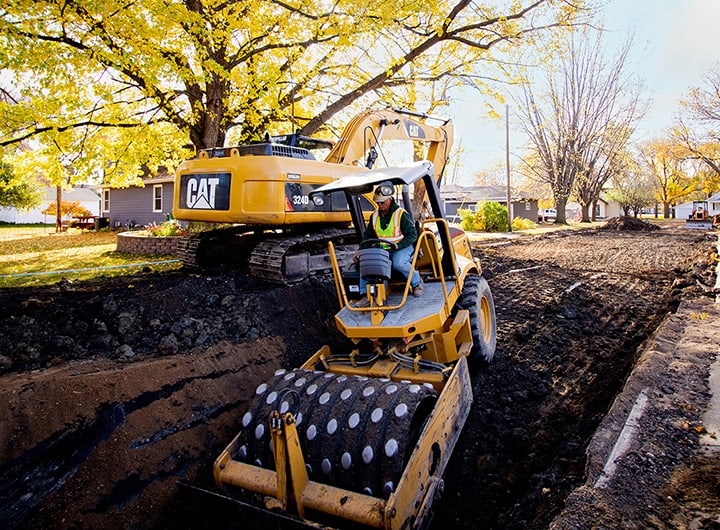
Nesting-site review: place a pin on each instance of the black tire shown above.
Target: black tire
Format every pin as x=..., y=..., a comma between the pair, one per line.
x=477, y=299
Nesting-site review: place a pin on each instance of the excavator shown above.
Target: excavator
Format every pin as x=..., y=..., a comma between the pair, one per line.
x=361, y=438
x=260, y=193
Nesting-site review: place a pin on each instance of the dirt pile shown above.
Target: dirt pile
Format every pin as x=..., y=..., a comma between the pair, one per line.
x=628, y=223
x=153, y=315
x=97, y=428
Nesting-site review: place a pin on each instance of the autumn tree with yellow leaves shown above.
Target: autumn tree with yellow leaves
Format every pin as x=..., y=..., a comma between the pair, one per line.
x=698, y=127
x=106, y=87
x=664, y=160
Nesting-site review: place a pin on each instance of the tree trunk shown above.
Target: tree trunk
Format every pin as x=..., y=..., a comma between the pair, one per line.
x=58, y=209
x=585, y=213
x=560, y=203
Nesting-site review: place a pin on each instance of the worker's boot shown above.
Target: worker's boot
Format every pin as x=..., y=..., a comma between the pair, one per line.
x=419, y=290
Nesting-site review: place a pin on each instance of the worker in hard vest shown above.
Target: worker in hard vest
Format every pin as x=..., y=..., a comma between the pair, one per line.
x=392, y=223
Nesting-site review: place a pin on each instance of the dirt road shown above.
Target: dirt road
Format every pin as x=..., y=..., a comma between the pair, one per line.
x=112, y=392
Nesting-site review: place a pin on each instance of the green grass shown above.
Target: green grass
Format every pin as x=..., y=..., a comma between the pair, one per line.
x=32, y=256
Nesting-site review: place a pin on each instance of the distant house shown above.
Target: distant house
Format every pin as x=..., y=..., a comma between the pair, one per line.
x=714, y=204
x=604, y=208
x=684, y=210
x=466, y=198
x=138, y=205
x=86, y=197
x=607, y=208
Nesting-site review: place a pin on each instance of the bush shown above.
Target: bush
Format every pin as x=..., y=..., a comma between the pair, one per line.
x=521, y=223
x=469, y=221
x=489, y=217
x=167, y=229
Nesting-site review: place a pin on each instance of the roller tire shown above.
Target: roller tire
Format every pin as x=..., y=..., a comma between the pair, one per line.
x=477, y=299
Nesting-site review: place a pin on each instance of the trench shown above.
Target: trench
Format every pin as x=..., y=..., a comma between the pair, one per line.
x=567, y=339
x=28, y=480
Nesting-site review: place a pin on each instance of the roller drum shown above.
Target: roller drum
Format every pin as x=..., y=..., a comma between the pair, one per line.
x=356, y=432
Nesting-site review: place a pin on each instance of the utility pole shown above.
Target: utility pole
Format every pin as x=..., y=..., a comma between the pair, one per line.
x=507, y=166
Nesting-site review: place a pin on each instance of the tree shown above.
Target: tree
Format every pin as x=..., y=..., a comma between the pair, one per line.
x=107, y=87
x=701, y=109
x=633, y=187
x=664, y=160
x=71, y=208
x=580, y=122
x=15, y=192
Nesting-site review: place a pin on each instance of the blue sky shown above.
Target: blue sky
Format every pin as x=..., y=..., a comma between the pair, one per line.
x=675, y=43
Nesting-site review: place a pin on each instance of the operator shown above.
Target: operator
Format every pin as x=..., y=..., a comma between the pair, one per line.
x=392, y=223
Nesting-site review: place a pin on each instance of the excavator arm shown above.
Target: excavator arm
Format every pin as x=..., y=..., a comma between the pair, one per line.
x=361, y=138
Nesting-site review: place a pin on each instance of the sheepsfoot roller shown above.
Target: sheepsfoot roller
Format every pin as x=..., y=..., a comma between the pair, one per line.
x=364, y=436
x=367, y=450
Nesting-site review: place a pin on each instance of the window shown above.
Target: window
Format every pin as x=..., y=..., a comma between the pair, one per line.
x=157, y=198
x=105, y=200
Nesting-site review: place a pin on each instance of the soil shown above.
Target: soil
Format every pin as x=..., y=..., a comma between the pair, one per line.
x=112, y=392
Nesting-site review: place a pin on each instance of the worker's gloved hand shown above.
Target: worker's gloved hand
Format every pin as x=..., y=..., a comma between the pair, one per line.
x=356, y=256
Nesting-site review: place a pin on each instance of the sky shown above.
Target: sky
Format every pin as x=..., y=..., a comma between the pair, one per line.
x=675, y=43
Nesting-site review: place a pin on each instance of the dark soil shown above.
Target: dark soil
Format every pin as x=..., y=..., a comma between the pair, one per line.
x=113, y=391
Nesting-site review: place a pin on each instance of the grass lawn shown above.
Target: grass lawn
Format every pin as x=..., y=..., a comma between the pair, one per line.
x=36, y=255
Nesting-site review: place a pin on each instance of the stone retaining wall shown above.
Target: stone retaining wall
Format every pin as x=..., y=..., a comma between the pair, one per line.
x=134, y=243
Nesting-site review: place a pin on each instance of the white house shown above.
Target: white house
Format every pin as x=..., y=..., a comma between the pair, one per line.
x=714, y=204
x=684, y=210
x=87, y=198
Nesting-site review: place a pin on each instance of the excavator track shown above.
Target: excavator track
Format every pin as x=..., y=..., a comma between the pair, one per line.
x=279, y=258
x=218, y=248
x=357, y=432
x=292, y=258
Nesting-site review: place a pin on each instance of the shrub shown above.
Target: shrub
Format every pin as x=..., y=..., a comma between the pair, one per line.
x=469, y=221
x=495, y=216
x=489, y=217
x=521, y=223
x=167, y=229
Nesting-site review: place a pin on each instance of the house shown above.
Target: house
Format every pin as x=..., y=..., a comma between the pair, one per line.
x=138, y=205
x=466, y=198
x=714, y=204
x=607, y=208
x=684, y=210
x=86, y=197
x=604, y=208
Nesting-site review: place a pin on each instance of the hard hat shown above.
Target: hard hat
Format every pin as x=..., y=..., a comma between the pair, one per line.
x=384, y=191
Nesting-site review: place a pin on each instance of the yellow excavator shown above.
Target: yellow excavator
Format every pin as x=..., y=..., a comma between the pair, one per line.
x=363, y=437
x=261, y=192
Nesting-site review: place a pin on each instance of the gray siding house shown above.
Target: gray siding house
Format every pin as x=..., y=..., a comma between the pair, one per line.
x=137, y=206
x=466, y=198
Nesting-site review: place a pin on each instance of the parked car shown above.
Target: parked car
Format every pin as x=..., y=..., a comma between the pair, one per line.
x=549, y=214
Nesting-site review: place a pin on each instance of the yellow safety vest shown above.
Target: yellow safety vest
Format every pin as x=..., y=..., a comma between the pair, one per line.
x=392, y=231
